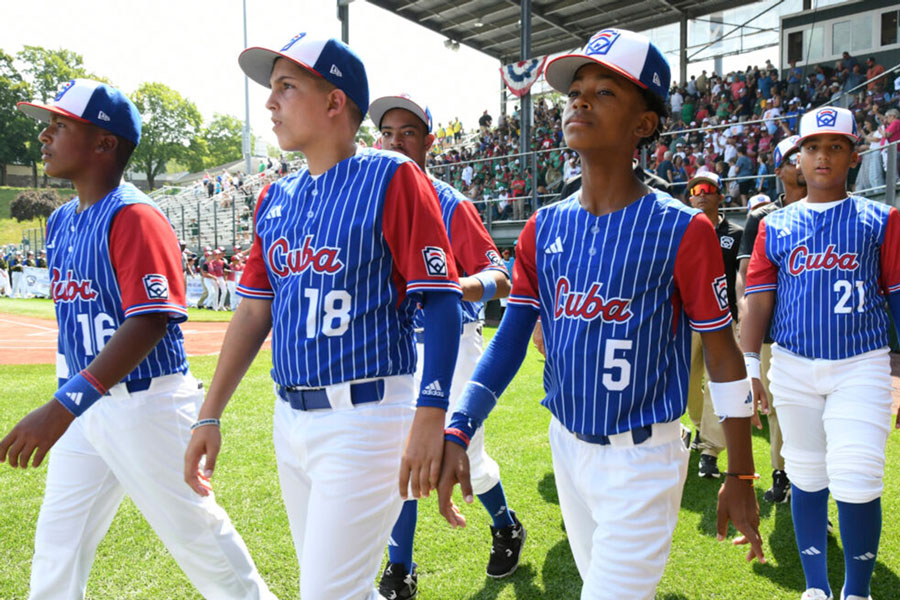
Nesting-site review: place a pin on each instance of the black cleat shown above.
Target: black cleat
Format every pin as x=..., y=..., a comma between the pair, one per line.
x=709, y=467
x=780, y=492
x=506, y=549
x=397, y=584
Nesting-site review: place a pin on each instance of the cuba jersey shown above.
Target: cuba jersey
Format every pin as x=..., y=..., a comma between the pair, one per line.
x=116, y=259
x=344, y=257
x=618, y=295
x=473, y=248
x=831, y=268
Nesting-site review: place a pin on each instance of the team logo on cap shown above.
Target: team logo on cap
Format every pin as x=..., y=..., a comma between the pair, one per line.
x=826, y=117
x=602, y=42
x=293, y=41
x=156, y=286
x=435, y=261
x=62, y=91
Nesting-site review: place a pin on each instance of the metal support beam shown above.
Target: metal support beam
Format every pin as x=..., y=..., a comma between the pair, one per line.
x=343, y=15
x=525, y=110
x=682, y=50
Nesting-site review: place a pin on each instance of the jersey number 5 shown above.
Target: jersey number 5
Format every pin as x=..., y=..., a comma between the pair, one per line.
x=612, y=362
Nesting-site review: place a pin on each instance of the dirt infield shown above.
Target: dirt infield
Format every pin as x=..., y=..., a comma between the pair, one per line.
x=27, y=340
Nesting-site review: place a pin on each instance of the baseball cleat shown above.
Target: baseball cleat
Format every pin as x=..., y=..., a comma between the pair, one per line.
x=506, y=547
x=709, y=466
x=780, y=492
x=695, y=445
x=397, y=584
x=815, y=594
x=853, y=597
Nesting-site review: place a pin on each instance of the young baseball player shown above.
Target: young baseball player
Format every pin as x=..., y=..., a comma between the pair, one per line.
x=343, y=252
x=821, y=271
x=785, y=160
x=126, y=399
x=405, y=126
x=705, y=193
x=619, y=274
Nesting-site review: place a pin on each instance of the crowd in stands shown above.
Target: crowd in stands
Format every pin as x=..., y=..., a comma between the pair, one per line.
x=726, y=124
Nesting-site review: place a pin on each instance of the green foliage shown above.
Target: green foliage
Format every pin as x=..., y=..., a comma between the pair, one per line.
x=48, y=69
x=18, y=133
x=170, y=122
x=218, y=143
x=34, y=204
x=366, y=133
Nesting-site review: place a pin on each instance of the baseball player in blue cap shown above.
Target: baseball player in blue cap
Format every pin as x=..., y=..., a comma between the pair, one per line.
x=821, y=272
x=405, y=126
x=126, y=400
x=344, y=251
x=620, y=274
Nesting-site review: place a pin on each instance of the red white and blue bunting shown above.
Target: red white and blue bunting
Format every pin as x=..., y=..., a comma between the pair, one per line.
x=520, y=76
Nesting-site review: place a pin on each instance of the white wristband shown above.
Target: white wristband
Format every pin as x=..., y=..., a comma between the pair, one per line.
x=752, y=365
x=732, y=399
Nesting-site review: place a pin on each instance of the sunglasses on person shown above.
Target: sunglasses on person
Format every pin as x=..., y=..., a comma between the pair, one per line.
x=704, y=188
x=793, y=159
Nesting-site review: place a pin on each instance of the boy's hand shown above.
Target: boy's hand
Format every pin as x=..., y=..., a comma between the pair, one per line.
x=35, y=433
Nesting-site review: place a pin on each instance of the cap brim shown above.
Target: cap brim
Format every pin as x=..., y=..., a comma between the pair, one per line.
x=849, y=136
x=44, y=112
x=700, y=178
x=381, y=106
x=560, y=71
x=257, y=64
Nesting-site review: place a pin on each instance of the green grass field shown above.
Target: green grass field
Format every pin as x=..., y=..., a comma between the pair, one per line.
x=42, y=308
x=132, y=563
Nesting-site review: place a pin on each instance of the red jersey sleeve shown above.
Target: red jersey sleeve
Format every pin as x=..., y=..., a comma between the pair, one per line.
x=472, y=245
x=762, y=273
x=890, y=254
x=415, y=233
x=525, y=289
x=700, y=277
x=147, y=259
x=254, y=281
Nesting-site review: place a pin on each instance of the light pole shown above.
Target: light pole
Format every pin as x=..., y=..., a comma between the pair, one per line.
x=246, y=136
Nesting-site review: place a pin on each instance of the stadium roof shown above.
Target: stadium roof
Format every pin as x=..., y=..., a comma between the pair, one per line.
x=492, y=26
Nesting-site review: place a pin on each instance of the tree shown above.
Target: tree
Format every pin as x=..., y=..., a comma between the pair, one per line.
x=170, y=122
x=366, y=134
x=18, y=133
x=33, y=204
x=218, y=143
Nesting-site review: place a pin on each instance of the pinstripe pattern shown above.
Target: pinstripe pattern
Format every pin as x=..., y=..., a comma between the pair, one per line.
x=829, y=301
x=607, y=297
x=323, y=238
x=87, y=293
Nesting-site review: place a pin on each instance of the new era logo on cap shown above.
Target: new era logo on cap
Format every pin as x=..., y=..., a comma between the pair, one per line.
x=330, y=59
x=629, y=54
x=828, y=120
x=92, y=102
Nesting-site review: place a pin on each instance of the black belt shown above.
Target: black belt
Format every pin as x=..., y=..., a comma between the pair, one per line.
x=315, y=399
x=639, y=435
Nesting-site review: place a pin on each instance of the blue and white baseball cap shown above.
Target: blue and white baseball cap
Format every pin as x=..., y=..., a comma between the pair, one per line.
x=757, y=201
x=784, y=149
x=382, y=105
x=827, y=120
x=629, y=54
x=91, y=102
x=330, y=59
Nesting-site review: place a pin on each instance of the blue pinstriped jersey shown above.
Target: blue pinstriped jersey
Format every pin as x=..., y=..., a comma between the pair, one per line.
x=88, y=292
x=450, y=199
x=830, y=272
x=342, y=307
x=616, y=294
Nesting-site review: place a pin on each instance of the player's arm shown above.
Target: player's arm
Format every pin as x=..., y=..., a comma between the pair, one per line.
x=415, y=234
x=745, y=250
x=141, y=244
x=759, y=303
x=245, y=334
x=476, y=252
x=495, y=370
x=890, y=272
x=699, y=277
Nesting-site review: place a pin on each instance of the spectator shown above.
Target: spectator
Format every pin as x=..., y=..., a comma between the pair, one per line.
x=855, y=78
x=703, y=83
x=874, y=70
x=871, y=174
x=484, y=121
x=744, y=169
x=795, y=79
x=666, y=169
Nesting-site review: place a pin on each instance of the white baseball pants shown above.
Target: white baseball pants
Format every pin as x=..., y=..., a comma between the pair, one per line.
x=18, y=284
x=620, y=505
x=484, y=470
x=339, y=470
x=233, y=298
x=835, y=416
x=221, y=288
x=134, y=444
x=5, y=286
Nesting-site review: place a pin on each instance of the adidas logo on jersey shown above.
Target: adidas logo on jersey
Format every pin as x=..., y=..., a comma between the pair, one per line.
x=335, y=71
x=555, y=248
x=103, y=116
x=75, y=397
x=433, y=389
x=811, y=551
x=274, y=212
